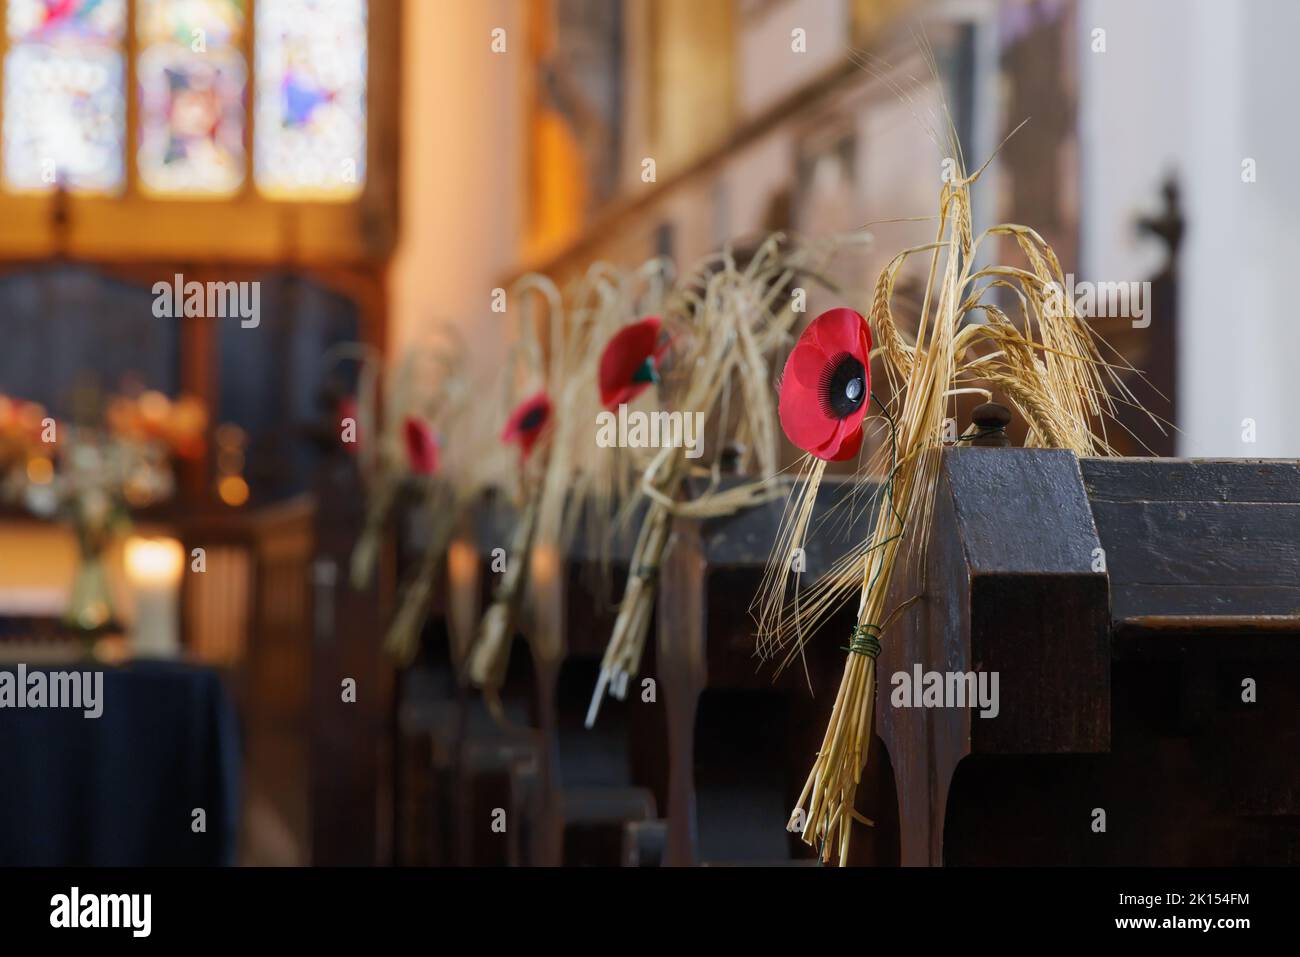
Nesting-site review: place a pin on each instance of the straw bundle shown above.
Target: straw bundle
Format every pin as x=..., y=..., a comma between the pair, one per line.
x=469, y=460
x=729, y=320
x=574, y=473
x=381, y=460
x=1049, y=367
x=489, y=656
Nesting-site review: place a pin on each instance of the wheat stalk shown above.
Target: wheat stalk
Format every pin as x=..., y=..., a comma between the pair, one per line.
x=1050, y=369
x=728, y=316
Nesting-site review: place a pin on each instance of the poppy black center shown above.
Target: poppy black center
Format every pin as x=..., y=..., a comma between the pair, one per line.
x=844, y=386
x=532, y=420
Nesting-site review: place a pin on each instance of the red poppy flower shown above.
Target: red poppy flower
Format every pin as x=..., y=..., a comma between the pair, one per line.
x=527, y=422
x=827, y=384
x=421, y=446
x=630, y=362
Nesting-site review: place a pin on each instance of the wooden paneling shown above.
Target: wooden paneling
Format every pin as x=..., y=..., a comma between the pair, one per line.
x=1207, y=538
x=1131, y=700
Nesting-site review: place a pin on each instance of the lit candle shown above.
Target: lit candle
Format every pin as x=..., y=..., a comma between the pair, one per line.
x=153, y=567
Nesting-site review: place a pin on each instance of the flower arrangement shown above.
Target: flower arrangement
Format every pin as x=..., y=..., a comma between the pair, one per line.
x=22, y=451
x=92, y=476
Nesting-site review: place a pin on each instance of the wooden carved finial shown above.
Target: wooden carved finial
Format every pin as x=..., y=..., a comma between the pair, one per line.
x=990, y=421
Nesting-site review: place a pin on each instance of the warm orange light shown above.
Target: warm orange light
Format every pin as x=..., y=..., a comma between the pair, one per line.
x=154, y=408
x=233, y=490
x=546, y=564
x=462, y=562
x=153, y=561
x=191, y=416
x=40, y=470
x=136, y=494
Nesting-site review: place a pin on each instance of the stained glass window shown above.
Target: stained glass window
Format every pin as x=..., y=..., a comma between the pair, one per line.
x=50, y=20
x=64, y=110
x=310, y=126
x=191, y=77
x=66, y=78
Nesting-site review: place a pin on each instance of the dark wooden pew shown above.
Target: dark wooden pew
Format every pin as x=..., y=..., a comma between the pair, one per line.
x=330, y=758
x=1124, y=604
x=741, y=741
x=460, y=766
x=589, y=782
x=567, y=792
x=615, y=773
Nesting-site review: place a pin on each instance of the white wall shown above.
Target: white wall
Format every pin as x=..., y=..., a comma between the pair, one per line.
x=1197, y=86
x=767, y=69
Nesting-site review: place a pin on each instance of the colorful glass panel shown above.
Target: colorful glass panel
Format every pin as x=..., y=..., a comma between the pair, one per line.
x=191, y=78
x=63, y=117
x=193, y=24
x=99, y=21
x=191, y=121
x=310, y=113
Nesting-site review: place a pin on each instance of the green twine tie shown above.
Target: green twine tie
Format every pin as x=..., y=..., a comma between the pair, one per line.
x=863, y=642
